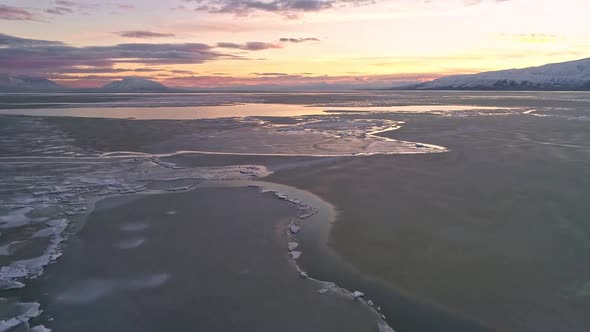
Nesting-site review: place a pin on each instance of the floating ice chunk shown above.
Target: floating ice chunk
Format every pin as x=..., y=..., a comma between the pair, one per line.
x=184, y=188
x=281, y=195
x=40, y=328
x=294, y=228
x=306, y=211
x=129, y=243
x=56, y=222
x=357, y=294
x=49, y=231
x=29, y=310
x=34, y=267
x=370, y=303
x=15, y=218
x=322, y=290
x=11, y=272
x=10, y=284
x=383, y=327
x=307, y=215
x=292, y=246
x=295, y=254
x=302, y=275
x=25, y=311
x=6, y=325
x=171, y=213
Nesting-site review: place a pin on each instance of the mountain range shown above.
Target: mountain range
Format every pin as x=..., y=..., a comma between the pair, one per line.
x=135, y=84
x=564, y=76
x=26, y=84
x=37, y=84
x=571, y=75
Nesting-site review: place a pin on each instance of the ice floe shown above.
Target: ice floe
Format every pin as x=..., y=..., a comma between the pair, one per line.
x=294, y=229
x=6, y=250
x=383, y=327
x=23, y=313
x=15, y=218
x=357, y=294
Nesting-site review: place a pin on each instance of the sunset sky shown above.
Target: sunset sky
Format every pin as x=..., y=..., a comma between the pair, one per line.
x=220, y=43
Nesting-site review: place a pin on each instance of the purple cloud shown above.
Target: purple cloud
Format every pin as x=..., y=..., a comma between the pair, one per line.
x=12, y=13
x=270, y=74
x=11, y=41
x=249, y=46
x=58, y=10
x=29, y=55
x=298, y=40
x=288, y=8
x=143, y=34
x=45, y=57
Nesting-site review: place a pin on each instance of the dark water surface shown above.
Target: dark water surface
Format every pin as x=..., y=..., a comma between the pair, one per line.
x=212, y=259
x=495, y=231
x=493, y=235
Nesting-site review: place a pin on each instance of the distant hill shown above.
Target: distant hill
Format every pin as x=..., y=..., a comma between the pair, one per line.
x=134, y=84
x=27, y=83
x=571, y=75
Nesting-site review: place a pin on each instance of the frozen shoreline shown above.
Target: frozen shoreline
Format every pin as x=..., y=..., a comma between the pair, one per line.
x=60, y=205
x=307, y=212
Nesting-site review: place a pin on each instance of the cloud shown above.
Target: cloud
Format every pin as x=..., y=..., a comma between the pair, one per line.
x=270, y=74
x=28, y=55
x=65, y=3
x=65, y=7
x=106, y=70
x=11, y=41
x=45, y=57
x=290, y=8
x=143, y=34
x=249, y=46
x=12, y=13
x=298, y=40
x=58, y=10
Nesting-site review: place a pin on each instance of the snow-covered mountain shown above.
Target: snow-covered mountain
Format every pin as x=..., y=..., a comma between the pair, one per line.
x=26, y=83
x=135, y=84
x=571, y=75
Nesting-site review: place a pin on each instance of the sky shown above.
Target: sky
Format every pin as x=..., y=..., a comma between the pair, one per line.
x=285, y=43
